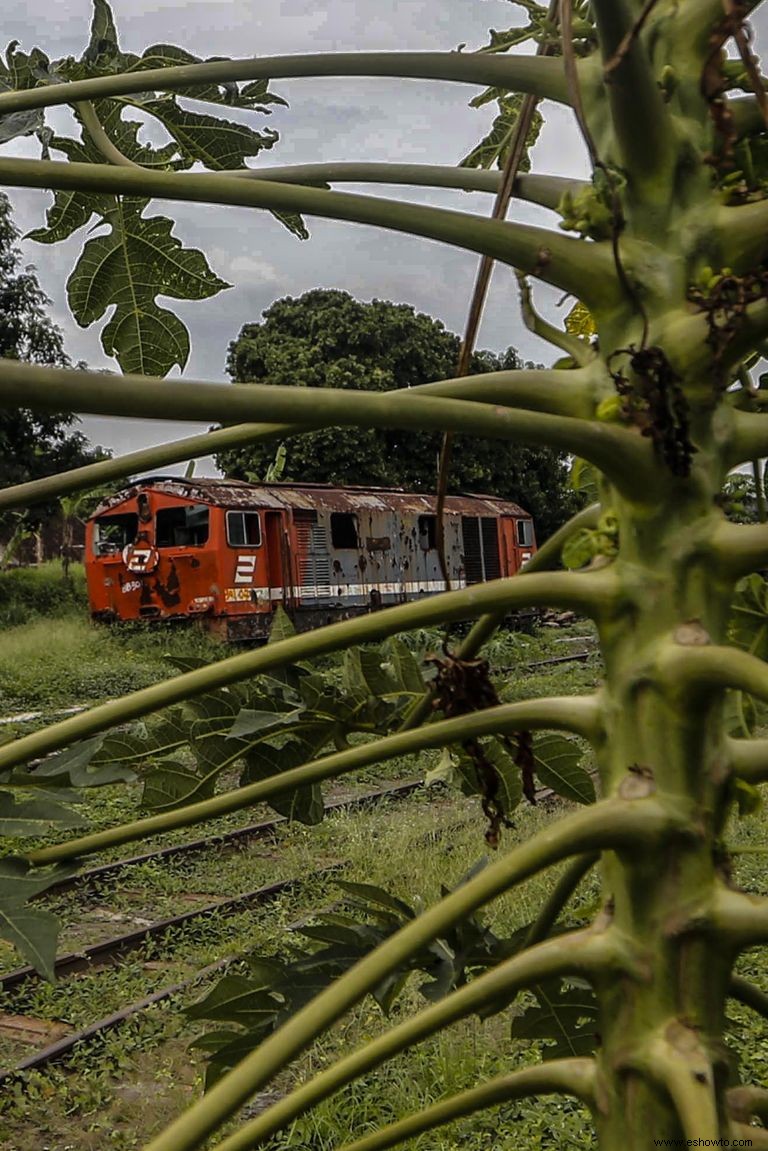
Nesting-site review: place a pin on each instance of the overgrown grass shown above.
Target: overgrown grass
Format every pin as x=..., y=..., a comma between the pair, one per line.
x=26, y=593
x=122, y=1090
x=410, y=848
x=66, y=660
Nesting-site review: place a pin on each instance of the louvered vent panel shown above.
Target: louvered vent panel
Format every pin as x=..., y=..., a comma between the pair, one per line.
x=314, y=561
x=490, y=533
x=473, y=556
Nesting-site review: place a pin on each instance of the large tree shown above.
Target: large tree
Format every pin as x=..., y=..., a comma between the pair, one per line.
x=326, y=338
x=32, y=444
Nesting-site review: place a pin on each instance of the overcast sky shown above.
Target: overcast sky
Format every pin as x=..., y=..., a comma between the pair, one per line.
x=387, y=120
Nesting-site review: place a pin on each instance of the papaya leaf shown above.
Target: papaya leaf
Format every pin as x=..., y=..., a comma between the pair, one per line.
x=262, y=761
x=249, y=722
x=33, y=817
x=566, y=1019
x=557, y=764
x=212, y=141
x=493, y=149
x=277, y=989
x=102, y=47
x=83, y=764
x=135, y=261
x=172, y=784
x=748, y=624
x=33, y=932
x=368, y=893
x=235, y=999
x=404, y=668
x=584, y=478
x=579, y=549
x=580, y=321
x=282, y=626
x=254, y=95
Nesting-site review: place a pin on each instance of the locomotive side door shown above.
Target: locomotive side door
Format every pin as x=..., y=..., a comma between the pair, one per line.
x=278, y=559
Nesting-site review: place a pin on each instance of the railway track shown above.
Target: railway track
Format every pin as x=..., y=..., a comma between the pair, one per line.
x=114, y=949
x=100, y=953
x=109, y=951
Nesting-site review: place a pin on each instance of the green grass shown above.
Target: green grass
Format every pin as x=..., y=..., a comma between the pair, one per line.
x=117, y=1092
x=410, y=847
x=26, y=593
x=66, y=660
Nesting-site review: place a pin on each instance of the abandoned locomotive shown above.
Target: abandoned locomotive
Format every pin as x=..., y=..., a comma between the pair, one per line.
x=229, y=552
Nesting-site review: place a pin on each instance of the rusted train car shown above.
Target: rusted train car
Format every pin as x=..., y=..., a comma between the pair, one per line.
x=230, y=552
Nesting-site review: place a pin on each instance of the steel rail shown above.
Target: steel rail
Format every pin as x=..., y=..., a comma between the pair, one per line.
x=118, y=945
x=67, y=1043
x=262, y=830
x=88, y=957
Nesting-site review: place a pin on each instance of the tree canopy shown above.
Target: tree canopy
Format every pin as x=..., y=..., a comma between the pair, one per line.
x=326, y=338
x=32, y=444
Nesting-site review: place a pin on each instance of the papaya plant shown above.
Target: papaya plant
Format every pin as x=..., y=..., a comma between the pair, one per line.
x=665, y=249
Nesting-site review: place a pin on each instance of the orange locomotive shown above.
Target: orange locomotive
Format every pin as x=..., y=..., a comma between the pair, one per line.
x=230, y=552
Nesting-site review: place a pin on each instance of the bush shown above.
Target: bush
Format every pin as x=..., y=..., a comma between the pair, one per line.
x=27, y=592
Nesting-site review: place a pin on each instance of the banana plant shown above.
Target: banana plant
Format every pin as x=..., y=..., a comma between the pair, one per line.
x=665, y=249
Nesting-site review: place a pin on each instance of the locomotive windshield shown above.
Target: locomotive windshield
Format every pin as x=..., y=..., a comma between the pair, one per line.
x=112, y=533
x=243, y=529
x=181, y=527
x=525, y=533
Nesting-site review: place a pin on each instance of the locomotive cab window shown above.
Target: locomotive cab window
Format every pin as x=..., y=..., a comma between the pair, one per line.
x=525, y=533
x=182, y=527
x=344, y=530
x=112, y=533
x=428, y=532
x=243, y=529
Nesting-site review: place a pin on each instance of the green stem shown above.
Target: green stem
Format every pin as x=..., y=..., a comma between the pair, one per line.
x=561, y=893
x=739, y=549
x=641, y=120
x=580, y=715
x=612, y=822
x=749, y=439
x=541, y=77
x=624, y=456
x=762, y=512
x=744, y=1102
x=749, y=758
x=93, y=475
x=746, y=115
x=745, y=992
x=545, y=391
x=740, y=920
x=741, y=233
x=547, y=191
x=753, y=1137
x=680, y=1065
x=585, y=269
x=580, y=951
x=579, y=351
x=589, y=593
x=560, y=1076
x=546, y=558
x=94, y=128
x=690, y=671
